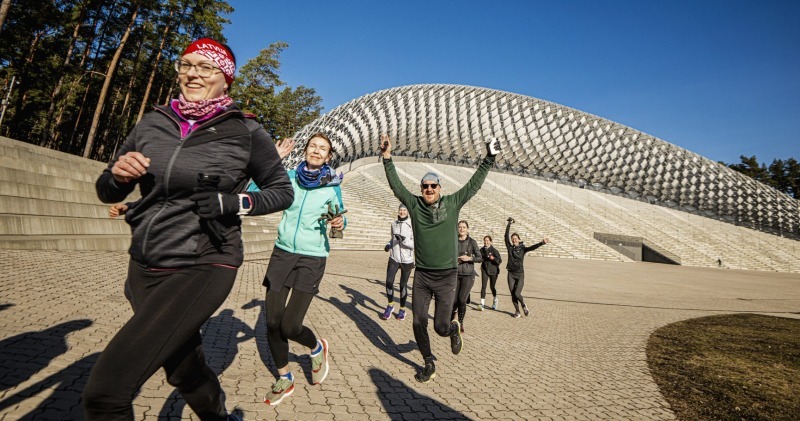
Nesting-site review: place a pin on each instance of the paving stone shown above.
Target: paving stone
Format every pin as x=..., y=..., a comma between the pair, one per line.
x=579, y=356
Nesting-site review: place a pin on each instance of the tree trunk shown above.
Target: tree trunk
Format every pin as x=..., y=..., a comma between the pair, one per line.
x=122, y=121
x=47, y=138
x=112, y=67
x=4, y=12
x=22, y=89
x=153, y=72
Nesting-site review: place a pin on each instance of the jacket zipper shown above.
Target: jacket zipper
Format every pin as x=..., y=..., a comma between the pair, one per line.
x=167, y=174
x=297, y=226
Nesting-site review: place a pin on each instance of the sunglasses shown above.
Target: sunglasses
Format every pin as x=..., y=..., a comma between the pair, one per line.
x=429, y=186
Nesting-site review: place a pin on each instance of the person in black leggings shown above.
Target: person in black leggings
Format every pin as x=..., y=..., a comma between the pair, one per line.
x=468, y=255
x=298, y=261
x=515, y=267
x=190, y=160
x=401, y=256
x=490, y=268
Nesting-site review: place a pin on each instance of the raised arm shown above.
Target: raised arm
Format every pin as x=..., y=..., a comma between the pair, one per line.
x=476, y=181
x=537, y=245
x=269, y=175
x=507, y=235
x=400, y=191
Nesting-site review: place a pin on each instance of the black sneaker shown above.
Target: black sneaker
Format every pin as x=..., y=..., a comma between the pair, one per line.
x=525, y=309
x=455, y=340
x=427, y=373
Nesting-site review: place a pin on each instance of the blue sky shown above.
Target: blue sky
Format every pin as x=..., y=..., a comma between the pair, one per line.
x=718, y=77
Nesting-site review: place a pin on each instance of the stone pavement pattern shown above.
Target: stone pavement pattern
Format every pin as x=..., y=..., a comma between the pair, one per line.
x=579, y=356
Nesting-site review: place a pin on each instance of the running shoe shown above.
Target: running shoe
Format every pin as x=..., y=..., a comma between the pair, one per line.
x=401, y=315
x=427, y=373
x=281, y=389
x=494, y=304
x=388, y=312
x=479, y=307
x=517, y=315
x=456, y=343
x=525, y=309
x=319, y=364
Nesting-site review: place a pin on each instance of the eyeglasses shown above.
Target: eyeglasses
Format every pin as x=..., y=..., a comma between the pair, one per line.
x=429, y=186
x=202, y=69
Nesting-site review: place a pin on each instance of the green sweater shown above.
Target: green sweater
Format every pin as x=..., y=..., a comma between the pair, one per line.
x=436, y=227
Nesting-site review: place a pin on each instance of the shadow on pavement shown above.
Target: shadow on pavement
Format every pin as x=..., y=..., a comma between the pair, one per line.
x=369, y=326
x=26, y=354
x=223, y=328
x=402, y=402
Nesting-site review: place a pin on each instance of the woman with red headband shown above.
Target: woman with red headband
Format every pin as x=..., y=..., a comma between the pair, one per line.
x=190, y=159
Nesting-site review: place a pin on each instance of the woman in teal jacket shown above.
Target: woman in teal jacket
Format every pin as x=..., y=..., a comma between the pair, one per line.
x=298, y=261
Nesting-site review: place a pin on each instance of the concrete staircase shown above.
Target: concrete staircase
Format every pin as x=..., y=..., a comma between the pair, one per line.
x=48, y=202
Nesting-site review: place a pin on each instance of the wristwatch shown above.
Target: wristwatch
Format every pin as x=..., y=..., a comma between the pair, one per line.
x=245, y=204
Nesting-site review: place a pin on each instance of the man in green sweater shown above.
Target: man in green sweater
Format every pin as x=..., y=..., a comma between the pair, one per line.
x=434, y=221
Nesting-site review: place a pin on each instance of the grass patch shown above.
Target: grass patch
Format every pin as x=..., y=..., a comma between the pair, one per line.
x=732, y=367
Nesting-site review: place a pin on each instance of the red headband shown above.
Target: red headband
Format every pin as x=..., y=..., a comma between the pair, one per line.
x=215, y=52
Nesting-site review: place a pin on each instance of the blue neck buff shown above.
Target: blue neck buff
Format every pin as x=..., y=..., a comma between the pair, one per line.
x=311, y=179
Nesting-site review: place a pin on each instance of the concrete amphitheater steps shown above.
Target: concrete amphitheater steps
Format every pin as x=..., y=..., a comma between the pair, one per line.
x=48, y=202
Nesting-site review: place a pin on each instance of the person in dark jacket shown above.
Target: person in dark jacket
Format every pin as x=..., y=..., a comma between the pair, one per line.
x=515, y=267
x=490, y=268
x=468, y=255
x=191, y=160
x=434, y=220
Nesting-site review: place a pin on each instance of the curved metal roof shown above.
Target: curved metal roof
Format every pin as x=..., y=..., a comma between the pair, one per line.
x=542, y=139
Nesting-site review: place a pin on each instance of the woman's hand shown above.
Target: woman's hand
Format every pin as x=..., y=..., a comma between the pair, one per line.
x=545, y=240
x=285, y=147
x=117, y=210
x=129, y=167
x=338, y=223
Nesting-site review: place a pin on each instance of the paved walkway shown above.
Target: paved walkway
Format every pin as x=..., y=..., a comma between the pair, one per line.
x=580, y=355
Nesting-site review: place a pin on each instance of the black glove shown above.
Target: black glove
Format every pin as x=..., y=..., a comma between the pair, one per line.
x=493, y=146
x=213, y=204
x=331, y=215
x=388, y=247
x=511, y=220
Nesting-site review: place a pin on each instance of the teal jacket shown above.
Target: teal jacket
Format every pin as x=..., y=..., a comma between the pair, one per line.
x=300, y=230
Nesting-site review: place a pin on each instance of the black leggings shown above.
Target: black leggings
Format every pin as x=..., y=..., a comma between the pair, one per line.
x=516, y=280
x=463, y=288
x=405, y=272
x=169, y=309
x=441, y=285
x=492, y=283
x=285, y=321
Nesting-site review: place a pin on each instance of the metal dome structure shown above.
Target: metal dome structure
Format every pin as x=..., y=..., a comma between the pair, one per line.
x=451, y=123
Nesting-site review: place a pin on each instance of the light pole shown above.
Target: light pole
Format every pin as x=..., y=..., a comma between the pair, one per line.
x=5, y=100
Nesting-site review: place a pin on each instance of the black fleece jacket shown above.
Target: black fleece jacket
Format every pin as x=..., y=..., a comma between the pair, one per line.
x=166, y=230
x=516, y=254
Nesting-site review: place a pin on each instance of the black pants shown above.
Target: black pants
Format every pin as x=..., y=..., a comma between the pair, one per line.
x=463, y=287
x=441, y=286
x=285, y=321
x=405, y=272
x=169, y=309
x=516, y=280
x=492, y=283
